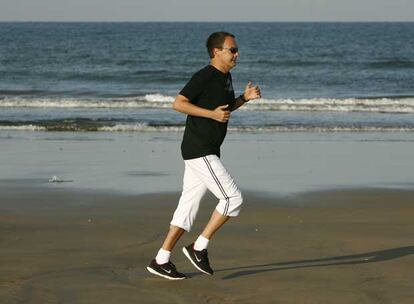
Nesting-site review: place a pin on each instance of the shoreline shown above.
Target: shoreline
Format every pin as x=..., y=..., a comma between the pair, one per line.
x=150, y=162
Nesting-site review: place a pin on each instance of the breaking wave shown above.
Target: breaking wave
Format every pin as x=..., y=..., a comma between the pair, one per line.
x=159, y=101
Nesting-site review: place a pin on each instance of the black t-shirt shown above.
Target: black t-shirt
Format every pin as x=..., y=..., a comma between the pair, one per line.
x=208, y=88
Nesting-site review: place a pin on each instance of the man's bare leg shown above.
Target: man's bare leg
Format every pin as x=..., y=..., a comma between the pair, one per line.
x=172, y=237
x=216, y=221
x=174, y=234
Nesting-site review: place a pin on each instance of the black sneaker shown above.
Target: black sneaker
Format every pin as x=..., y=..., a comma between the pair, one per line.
x=198, y=258
x=166, y=270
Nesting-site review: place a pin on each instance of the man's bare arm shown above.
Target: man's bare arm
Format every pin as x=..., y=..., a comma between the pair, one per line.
x=183, y=105
x=250, y=92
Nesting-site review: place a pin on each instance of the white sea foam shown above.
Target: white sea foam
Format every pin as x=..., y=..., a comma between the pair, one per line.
x=143, y=127
x=382, y=105
x=385, y=105
x=158, y=98
x=23, y=128
x=147, y=101
x=276, y=129
x=140, y=127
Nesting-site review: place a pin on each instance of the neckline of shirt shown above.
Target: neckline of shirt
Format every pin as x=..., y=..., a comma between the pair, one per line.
x=216, y=69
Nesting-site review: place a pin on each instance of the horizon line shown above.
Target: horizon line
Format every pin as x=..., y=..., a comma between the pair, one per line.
x=181, y=21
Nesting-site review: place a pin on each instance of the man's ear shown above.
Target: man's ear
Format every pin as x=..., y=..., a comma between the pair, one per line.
x=215, y=51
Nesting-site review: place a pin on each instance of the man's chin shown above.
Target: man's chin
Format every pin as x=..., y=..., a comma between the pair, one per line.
x=231, y=65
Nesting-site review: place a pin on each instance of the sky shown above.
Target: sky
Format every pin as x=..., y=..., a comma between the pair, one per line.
x=207, y=10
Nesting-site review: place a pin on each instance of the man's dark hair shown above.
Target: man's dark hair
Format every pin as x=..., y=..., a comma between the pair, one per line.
x=216, y=40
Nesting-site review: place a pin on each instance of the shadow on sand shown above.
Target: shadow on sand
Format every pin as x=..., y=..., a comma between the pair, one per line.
x=368, y=257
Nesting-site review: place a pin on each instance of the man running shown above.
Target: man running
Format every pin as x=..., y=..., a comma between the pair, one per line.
x=207, y=99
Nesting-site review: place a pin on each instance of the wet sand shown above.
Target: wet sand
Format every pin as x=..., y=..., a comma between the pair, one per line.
x=70, y=246
x=150, y=162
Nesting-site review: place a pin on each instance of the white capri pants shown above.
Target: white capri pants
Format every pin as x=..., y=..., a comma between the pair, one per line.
x=201, y=174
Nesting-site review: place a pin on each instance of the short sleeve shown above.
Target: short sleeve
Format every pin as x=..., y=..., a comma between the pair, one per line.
x=196, y=85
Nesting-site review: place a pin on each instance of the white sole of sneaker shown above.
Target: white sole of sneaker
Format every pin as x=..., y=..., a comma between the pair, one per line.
x=162, y=275
x=187, y=254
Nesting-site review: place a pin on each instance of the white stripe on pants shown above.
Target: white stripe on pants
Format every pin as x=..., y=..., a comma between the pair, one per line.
x=201, y=174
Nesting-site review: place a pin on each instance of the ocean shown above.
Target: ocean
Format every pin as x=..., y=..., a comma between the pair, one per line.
x=123, y=77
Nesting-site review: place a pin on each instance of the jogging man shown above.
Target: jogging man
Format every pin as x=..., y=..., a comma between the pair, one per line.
x=207, y=99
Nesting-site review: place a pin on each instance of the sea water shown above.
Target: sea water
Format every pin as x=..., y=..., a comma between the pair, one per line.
x=319, y=77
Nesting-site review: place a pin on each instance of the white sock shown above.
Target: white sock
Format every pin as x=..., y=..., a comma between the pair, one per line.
x=163, y=256
x=201, y=243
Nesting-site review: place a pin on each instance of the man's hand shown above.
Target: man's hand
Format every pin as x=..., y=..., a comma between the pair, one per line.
x=251, y=92
x=221, y=113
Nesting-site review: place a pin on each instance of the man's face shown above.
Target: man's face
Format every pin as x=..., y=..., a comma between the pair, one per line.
x=229, y=53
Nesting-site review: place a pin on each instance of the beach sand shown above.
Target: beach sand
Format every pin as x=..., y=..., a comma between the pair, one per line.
x=71, y=246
